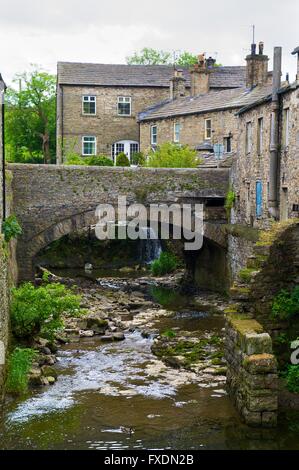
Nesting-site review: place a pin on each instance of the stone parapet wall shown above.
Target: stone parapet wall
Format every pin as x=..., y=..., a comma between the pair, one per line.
x=4, y=312
x=252, y=371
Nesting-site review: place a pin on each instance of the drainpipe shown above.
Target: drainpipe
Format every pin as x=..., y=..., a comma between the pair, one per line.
x=274, y=143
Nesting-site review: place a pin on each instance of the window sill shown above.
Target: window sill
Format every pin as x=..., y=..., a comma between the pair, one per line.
x=88, y=115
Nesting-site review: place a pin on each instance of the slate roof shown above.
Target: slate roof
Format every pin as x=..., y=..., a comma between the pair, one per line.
x=74, y=73
x=212, y=101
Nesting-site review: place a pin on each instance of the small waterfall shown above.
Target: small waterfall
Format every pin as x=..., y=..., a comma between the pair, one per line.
x=151, y=248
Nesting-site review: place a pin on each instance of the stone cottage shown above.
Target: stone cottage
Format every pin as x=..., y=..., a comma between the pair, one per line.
x=266, y=172
x=207, y=117
x=98, y=105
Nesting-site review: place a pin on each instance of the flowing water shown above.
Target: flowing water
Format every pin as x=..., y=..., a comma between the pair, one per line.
x=120, y=396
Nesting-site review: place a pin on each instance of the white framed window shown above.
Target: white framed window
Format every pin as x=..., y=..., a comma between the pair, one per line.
x=154, y=135
x=248, y=136
x=124, y=105
x=177, y=132
x=286, y=125
x=208, y=129
x=89, y=105
x=260, y=135
x=89, y=145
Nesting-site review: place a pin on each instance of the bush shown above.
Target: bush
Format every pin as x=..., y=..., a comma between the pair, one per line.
x=11, y=228
x=292, y=378
x=167, y=263
x=122, y=160
x=74, y=159
x=171, y=155
x=229, y=201
x=138, y=158
x=100, y=160
x=38, y=310
x=286, y=304
x=19, y=365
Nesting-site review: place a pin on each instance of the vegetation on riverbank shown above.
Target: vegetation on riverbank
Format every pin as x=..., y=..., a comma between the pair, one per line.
x=165, y=264
x=19, y=365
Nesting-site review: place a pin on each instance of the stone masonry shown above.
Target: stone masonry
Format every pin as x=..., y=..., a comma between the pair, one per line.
x=252, y=371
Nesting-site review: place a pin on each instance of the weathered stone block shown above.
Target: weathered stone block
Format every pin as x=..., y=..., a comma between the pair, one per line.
x=262, y=403
x=251, y=418
x=257, y=344
x=269, y=419
x=260, y=364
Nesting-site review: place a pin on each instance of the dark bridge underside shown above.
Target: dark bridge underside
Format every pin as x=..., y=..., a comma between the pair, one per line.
x=52, y=201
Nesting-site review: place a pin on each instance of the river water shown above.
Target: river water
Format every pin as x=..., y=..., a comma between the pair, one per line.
x=120, y=396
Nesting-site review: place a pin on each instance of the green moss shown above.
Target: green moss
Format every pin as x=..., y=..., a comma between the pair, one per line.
x=242, y=231
x=245, y=325
x=246, y=274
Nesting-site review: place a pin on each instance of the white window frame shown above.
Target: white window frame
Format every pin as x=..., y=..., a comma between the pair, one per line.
x=286, y=123
x=248, y=137
x=120, y=100
x=89, y=101
x=206, y=129
x=154, y=126
x=176, y=133
x=95, y=145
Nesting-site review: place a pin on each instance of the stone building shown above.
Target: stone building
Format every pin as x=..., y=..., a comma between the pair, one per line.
x=208, y=116
x=98, y=105
x=266, y=171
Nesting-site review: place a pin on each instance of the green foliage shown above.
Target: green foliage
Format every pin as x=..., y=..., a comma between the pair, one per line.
x=138, y=158
x=100, y=160
x=169, y=334
x=246, y=274
x=230, y=201
x=286, y=304
x=149, y=56
x=38, y=310
x=19, y=365
x=170, y=155
x=30, y=119
x=73, y=158
x=292, y=378
x=11, y=228
x=167, y=263
x=122, y=160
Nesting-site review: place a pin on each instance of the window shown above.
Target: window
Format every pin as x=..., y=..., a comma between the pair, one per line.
x=260, y=135
x=124, y=106
x=89, y=145
x=89, y=105
x=248, y=137
x=154, y=135
x=286, y=124
x=134, y=148
x=177, y=132
x=208, y=129
x=117, y=148
x=227, y=144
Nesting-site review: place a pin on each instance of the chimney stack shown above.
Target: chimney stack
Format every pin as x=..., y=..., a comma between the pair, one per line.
x=257, y=67
x=200, y=77
x=296, y=52
x=177, y=85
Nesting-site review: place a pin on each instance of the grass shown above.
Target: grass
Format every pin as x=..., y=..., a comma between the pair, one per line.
x=167, y=263
x=19, y=365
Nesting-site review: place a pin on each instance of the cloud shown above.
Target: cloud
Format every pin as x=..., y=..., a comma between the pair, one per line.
x=43, y=31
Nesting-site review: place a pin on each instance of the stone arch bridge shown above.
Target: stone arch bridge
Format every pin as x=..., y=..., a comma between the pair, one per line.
x=51, y=201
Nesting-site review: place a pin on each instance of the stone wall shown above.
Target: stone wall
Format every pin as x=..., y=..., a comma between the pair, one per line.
x=252, y=371
x=4, y=311
x=106, y=125
x=224, y=123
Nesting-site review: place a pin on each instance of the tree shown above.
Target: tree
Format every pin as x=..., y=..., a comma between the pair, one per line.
x=31, y=117
x=148, y=56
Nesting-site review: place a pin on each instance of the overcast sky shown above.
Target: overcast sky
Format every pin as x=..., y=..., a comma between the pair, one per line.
x=106, y=31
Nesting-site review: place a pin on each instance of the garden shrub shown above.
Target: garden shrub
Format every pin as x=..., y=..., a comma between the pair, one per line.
x=19, y=365
x=286, y=304
x=11, y=228
x=38, y=310
x=166, y=263
x=122, y=160
x=230, y=202
x=170, y=155
x=138, y=158
x=100, y=160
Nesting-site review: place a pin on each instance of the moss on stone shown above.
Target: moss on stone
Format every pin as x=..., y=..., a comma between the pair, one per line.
x=242, y=231
x=245, y=325
x=246, y=274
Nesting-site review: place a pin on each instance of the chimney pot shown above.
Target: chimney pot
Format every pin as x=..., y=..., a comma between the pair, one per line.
x=261, y=48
